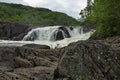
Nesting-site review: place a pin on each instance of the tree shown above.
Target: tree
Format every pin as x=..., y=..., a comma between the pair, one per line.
x=107, y=15
x=87, y=10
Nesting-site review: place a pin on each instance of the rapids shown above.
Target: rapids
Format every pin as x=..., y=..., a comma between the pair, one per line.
x=49, y=36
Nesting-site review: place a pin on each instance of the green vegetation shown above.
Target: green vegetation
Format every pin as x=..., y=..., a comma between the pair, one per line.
x=36, y=16
x=106, y=15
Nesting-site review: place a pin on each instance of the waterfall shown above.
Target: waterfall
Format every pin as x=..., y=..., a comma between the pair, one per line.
x=76, y=31
x=40, y=34
x=53, y=36
x=50, y=33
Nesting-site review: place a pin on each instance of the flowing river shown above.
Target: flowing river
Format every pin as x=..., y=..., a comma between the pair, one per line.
x=53, y=36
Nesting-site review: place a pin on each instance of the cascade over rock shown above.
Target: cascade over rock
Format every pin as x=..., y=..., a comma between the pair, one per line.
x=52, y=36
x=65, y=29
x=21, y=31
x=61, y=33
x=51, y=33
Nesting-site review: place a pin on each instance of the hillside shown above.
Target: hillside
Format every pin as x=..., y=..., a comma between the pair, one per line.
x=36, y=16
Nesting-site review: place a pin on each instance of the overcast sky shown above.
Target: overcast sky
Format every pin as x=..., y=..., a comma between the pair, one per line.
x=70, y=7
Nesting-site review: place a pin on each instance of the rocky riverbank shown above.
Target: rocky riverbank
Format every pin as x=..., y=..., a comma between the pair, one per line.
x=82, y=60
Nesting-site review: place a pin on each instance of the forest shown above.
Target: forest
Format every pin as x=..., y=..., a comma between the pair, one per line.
x=36, y=16
x=105, y=15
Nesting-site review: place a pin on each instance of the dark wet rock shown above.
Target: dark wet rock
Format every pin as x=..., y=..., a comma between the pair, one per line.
x=71, y=28
x=65, y=30
x=88, y=26
x=61, y=33
x=33, y=36
x=13, y=31
x=86, y=29
x=19, y=37
x=37, y=46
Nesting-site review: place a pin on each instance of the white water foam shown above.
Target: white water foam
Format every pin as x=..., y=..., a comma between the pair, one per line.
x=45, y=34
x=41, y=34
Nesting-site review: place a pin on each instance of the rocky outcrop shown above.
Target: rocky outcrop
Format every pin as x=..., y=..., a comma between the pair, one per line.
x=83, y=60
x=88, y=26
x=89, y=60
x=114, y=42
x=13, y=31
x=24, y=63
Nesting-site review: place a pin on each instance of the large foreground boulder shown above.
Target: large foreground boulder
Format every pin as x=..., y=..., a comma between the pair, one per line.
x=88, y=60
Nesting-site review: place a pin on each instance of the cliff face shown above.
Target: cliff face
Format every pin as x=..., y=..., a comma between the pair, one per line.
x=13, y=31
x=83, y=60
